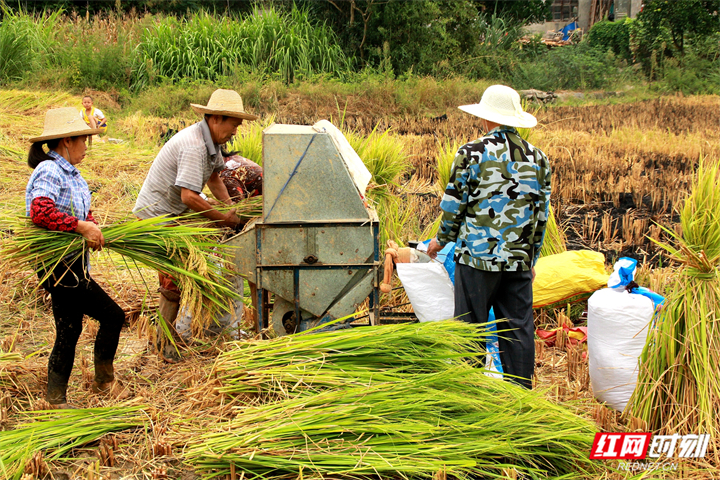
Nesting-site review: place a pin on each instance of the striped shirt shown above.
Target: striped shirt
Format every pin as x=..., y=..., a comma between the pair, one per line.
x=62, y=183
x=186, y=161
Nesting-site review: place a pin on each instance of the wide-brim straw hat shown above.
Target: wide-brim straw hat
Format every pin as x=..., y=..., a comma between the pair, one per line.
x=501, y=104
x=224, y=102
x=64, y=122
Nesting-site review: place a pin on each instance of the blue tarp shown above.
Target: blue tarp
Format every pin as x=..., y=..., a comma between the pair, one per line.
x=568, y=29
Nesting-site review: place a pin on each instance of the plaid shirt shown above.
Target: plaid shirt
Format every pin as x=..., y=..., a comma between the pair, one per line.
x=61, y=182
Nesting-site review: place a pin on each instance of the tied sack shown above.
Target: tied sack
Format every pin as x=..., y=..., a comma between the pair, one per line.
x=618, y=324
x=619, y=318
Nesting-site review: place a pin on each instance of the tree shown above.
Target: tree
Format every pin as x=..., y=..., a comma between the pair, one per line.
x=521, y=11
x=681, y=17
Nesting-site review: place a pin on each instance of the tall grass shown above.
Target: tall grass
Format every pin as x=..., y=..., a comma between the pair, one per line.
x=204, y=47
x=24, y=40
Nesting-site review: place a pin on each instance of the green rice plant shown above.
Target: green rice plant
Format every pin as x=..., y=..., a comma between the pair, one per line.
x=56, y=432
x=248, y=142
x=395, y=219
x=391, y=401
x=9, y=357
x=188, y=252
x=445, y=158
x=554, y=241
x=302, y=364
x=678, y=389
x=248, y=208
x=384, y=155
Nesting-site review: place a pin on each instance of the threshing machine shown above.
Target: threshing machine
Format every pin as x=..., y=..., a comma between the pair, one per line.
x=315, y=248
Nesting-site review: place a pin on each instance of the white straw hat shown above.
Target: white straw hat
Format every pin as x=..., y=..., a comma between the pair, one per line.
x=501, y=104
x=224, y=102
x=64, y=122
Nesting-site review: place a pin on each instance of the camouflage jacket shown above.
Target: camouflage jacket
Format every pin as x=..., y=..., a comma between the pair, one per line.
x=496, y=204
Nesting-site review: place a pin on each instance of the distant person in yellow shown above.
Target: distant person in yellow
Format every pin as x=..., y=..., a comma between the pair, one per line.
x=93, y=116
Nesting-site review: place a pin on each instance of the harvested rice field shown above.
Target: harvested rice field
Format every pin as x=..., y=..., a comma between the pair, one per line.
x=621, y=175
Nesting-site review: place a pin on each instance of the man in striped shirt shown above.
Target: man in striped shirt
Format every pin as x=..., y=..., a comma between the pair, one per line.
x=185, y=165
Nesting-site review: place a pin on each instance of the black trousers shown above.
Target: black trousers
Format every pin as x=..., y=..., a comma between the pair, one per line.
x=76, y=294
x=510, y=294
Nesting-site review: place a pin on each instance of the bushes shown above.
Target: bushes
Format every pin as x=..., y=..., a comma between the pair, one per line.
x=613, y=36
x=574, y=67
x=269, y=47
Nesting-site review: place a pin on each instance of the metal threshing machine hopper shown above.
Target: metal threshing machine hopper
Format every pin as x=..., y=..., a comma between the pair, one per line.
x=315, y=248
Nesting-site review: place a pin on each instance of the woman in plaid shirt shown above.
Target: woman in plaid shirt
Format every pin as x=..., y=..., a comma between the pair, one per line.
x=57, y=198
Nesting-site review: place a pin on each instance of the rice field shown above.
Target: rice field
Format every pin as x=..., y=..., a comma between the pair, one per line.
x=620, y=172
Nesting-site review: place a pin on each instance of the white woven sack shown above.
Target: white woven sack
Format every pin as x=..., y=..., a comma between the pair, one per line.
x=618, y=324
x=429, y=289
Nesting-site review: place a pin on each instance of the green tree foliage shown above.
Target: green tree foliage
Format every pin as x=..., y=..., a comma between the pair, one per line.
x=613, y=36
x=175, y=7
x=677, y=43
x=680, y=18
x=523, y=12
x=420, y=36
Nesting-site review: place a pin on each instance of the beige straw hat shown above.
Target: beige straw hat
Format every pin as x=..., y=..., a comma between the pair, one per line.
x=224, y=102
x=64, y=122
x=501, y=104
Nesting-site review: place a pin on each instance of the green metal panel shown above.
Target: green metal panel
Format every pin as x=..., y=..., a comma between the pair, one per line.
x=244, y=252
x=290, y=245
x=320, y=188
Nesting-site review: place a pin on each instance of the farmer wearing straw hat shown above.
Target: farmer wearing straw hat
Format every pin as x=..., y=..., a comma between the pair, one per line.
x=496, y=207
x=57, y=198
x=174, y=184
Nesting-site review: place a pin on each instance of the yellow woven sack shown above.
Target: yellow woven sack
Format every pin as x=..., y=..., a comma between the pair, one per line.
x=568, y=277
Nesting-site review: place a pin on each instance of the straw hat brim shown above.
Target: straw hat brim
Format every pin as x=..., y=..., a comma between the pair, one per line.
x=203, y=110
x=75, y=133
x=524, y=120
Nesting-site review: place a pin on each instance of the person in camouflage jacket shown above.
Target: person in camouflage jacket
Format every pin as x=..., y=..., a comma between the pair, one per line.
x=495, y=208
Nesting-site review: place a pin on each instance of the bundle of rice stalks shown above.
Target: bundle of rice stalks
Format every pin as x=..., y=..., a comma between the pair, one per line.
x=678, y=388
x=300, y=364
x=58, y=431
x=396, y=402
x=189, y=253
x=554, y=241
